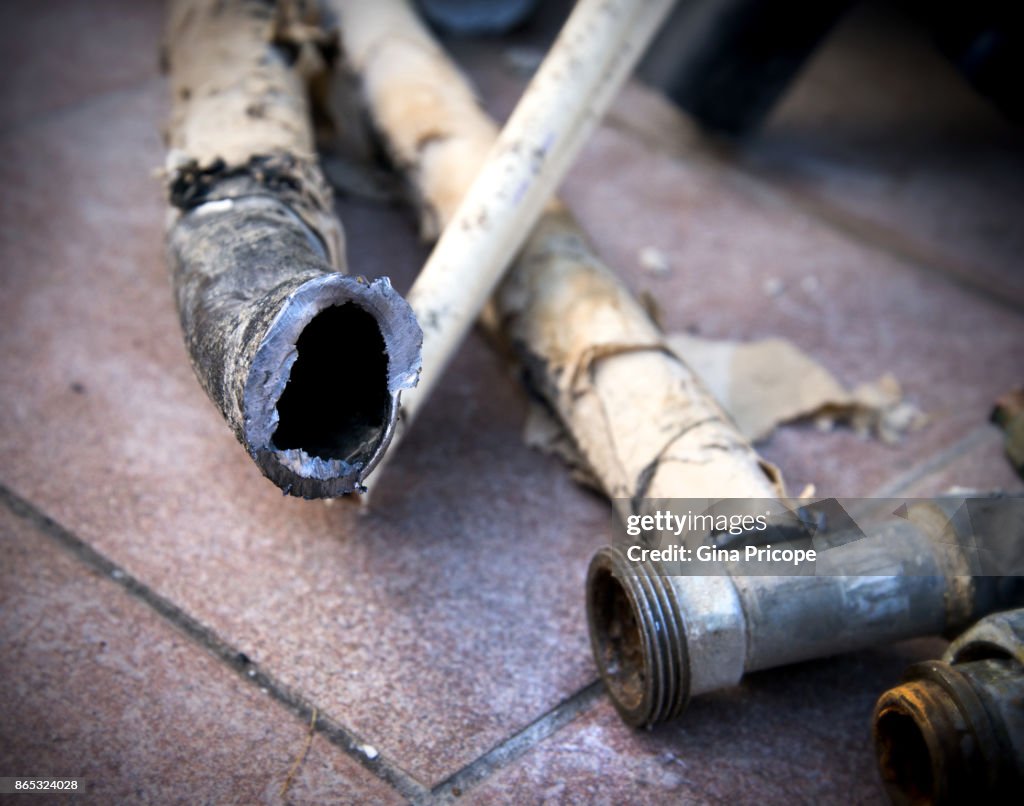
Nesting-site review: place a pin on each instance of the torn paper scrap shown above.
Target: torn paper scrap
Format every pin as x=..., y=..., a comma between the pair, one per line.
x=763, y=384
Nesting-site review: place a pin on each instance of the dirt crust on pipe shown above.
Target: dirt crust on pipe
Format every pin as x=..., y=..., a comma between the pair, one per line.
x=238, y=71
x=254, y=249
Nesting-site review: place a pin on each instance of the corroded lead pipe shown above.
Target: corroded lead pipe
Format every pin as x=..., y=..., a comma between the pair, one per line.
x=306, y=364
x=660, y=639
x=953, y=731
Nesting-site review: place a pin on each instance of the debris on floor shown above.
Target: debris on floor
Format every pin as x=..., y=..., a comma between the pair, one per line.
x=766, y=383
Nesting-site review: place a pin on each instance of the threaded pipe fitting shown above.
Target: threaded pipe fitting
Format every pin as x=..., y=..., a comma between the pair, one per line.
x=658, y=642
x=954, y=730
x=660, y=638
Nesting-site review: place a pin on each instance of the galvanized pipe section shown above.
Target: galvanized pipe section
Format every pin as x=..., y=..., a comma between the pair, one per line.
x=953, y=731
x=659, y=639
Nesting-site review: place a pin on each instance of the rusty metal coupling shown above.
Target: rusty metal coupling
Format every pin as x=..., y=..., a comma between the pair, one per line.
x=660, y=638
x=953, y=731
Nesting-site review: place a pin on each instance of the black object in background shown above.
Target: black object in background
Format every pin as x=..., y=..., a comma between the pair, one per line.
x=726, y=62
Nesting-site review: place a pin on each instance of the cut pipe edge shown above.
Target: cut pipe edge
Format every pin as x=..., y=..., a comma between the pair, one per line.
x=301, y=468
x=306, y=364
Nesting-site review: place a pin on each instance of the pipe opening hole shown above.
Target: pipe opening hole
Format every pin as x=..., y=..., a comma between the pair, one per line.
x=620, y=647
x=904, y=758
x=336, y=402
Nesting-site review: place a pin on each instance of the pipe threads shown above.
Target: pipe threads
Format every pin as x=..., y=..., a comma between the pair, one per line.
x=933, y=737
x=953, y=731
x=638, y=636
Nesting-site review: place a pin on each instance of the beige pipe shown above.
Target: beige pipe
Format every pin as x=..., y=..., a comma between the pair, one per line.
x=640, y=418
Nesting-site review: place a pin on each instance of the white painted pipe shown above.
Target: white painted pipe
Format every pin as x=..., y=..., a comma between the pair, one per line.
x=595, y=52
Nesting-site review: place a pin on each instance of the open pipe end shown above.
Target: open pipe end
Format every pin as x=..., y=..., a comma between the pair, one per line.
x=924, y=742
x=638, y=640
x=322, y=396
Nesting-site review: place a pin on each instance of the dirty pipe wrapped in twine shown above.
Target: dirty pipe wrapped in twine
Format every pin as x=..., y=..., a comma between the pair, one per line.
x=639, y=417
x=305, y=363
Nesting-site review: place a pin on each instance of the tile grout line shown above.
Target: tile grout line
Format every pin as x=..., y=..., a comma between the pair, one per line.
x=876, y=236
x=18, y=127
x=338, y=735
x=504, y=753
x=841, y=222
x=391, y=773
x=935, y=462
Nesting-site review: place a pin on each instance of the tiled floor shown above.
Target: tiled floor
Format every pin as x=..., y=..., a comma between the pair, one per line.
x=169, y=622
